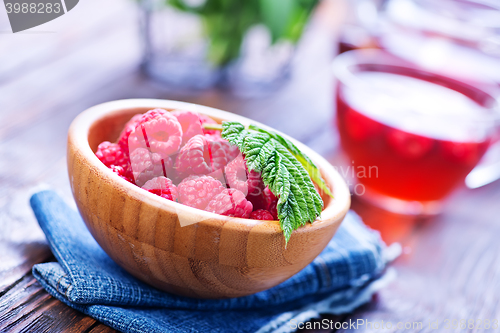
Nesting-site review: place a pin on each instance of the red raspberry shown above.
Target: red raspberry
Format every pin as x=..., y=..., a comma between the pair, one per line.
x=264, y=199
x=197, y=191
x=237, y=174
x=123, y=173
x=251, y=184
x=274, y=211
x=190, y=123
x=269, y=196
x=164, y=135
x=146, y=165
x=156, y=130
x=238, y=177
x=261, y=214
x=159, y=131
x=207, y=120
x=194, y=158
x=200, y=156
x=129, y=127
x=163, y=187
x=255, y=184
x=232, y=151
x=133, y=123
x=230, y=202
x=271, y=202
x=221, y=152
x=111, y=154
x=152, y=114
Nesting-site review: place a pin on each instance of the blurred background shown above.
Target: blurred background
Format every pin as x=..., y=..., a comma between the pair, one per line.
x=272, y=61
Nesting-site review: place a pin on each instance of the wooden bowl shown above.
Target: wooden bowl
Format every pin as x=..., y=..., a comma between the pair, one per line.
x=219, y=257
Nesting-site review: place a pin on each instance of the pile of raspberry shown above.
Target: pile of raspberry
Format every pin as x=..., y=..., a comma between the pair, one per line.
x=172, y=155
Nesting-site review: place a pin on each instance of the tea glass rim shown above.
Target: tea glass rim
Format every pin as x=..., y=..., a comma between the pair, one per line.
x=344, y=69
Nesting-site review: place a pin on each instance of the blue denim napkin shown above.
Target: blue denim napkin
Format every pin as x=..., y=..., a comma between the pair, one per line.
x=342, y=277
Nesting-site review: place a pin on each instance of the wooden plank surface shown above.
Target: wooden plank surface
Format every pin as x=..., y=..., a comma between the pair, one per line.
x=26, y=307
x=449, y=269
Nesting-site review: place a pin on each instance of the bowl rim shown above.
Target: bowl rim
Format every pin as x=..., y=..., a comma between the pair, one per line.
x=78, y=137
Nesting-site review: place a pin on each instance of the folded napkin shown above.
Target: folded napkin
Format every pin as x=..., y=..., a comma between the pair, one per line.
x=342, y=277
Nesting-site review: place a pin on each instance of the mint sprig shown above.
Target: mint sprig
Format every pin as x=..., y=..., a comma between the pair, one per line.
x=306, y=162
x=284, y=169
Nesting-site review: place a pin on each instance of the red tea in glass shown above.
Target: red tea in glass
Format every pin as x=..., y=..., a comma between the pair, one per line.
x=412, y=136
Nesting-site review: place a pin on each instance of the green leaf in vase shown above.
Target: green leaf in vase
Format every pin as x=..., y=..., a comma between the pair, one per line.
x=277, y=15
x=227, y=21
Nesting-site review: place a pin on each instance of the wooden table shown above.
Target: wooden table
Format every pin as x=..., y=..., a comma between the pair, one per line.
x=449, y=268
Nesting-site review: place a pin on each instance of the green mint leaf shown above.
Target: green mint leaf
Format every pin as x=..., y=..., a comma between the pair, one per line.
x=277, y=15
x=233, y=132
x=287, y=177
x=306, y=162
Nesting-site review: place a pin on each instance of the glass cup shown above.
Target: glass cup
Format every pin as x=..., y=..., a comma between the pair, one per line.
x=452, y=37
x=412, y=136
x=449, y=36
